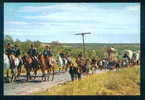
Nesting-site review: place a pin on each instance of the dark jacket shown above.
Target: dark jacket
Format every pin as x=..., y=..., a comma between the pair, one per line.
x=61, y=55
x=32, y=52
x=8, y=51
x=17, y=51
x=72, y=70
x=47, y=53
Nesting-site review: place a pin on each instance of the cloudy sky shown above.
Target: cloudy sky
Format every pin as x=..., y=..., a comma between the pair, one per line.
x=46, y=22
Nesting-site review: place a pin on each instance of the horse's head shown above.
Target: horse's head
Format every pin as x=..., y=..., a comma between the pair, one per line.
x=27, y=59
x=40, y=55
x=23, y=59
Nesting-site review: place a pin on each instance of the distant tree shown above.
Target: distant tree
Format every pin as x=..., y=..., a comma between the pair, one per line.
x=25, y=46
x=55, y=43
x=56, y=47
x=8, y=39
x=38, y=46
x=18, y=42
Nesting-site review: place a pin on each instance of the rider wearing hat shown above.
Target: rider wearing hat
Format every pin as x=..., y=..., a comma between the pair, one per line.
x=47, y=53
x=9, y=51
x=16, y=50
x=32, y=52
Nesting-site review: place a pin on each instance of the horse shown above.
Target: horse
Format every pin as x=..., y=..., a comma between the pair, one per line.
x=128, y=54
x=63, y=62
x=113, y=65
x=124, y=62
x=6, y=65
x=102, y=64
x=87, y=66
x=14, y=64
x=135, y=58
x=30, y=65
x=47, y=64
x=81, y=63
x=94, y=65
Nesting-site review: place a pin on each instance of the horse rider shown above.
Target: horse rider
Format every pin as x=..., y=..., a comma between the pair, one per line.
x=69, y=60
x=80, y=61
x=94, y=62
x=47, y=53
x=17, y=52
x=32, y=52
x=8, y=52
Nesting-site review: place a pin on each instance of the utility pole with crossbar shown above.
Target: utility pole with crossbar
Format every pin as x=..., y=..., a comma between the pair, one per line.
x=83, y=45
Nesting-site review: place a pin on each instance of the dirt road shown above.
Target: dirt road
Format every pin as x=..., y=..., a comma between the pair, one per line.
x=23, y=87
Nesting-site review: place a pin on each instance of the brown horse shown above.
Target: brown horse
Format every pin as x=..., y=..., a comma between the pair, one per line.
x=81, y=63
x=30, y=65
x=47, y=64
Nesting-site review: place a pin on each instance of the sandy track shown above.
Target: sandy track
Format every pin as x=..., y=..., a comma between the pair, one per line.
x=23, y=87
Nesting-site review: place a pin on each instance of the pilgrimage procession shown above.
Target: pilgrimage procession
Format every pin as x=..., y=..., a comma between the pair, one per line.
x=71, y=49
x=45, y=63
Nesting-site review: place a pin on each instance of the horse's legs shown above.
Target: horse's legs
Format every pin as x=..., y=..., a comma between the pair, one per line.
x=19, y=71
x=35, y=72
x=72, y=76
x=52, y=74
x=28, y=75
x=7, y=73
x=48, y=73
x=59, y=69
x=43, y=73
x=64, y=68
x=12, y=78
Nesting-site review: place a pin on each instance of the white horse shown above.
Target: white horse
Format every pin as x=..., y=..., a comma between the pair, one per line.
x=62, y=62
x=103, y=64
x=6, y=65
x=136, y=57
x=13, y=67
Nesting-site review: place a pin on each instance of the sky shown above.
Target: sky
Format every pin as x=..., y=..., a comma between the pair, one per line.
x=47, y=22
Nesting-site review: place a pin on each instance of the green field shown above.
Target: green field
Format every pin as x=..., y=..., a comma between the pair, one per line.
x=124, y=82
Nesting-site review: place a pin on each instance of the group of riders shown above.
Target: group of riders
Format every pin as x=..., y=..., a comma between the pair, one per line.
x=46, y=60
x=32, y=52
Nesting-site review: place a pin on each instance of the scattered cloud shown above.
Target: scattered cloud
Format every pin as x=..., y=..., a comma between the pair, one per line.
x=60, y=21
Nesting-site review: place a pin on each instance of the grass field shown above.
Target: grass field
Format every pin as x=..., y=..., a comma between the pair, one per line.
x=124, y=82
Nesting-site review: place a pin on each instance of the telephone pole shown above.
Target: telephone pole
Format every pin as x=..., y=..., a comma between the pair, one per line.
x=83, y=44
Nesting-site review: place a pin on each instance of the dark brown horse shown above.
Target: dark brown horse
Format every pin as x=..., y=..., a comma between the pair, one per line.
x=30, y=65
x=81, y=65
x=47, y=64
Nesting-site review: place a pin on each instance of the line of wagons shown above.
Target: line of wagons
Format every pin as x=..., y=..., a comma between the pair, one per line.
x=128, y=58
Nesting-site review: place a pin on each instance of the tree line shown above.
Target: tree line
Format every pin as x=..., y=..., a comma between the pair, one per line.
x=74, y=50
